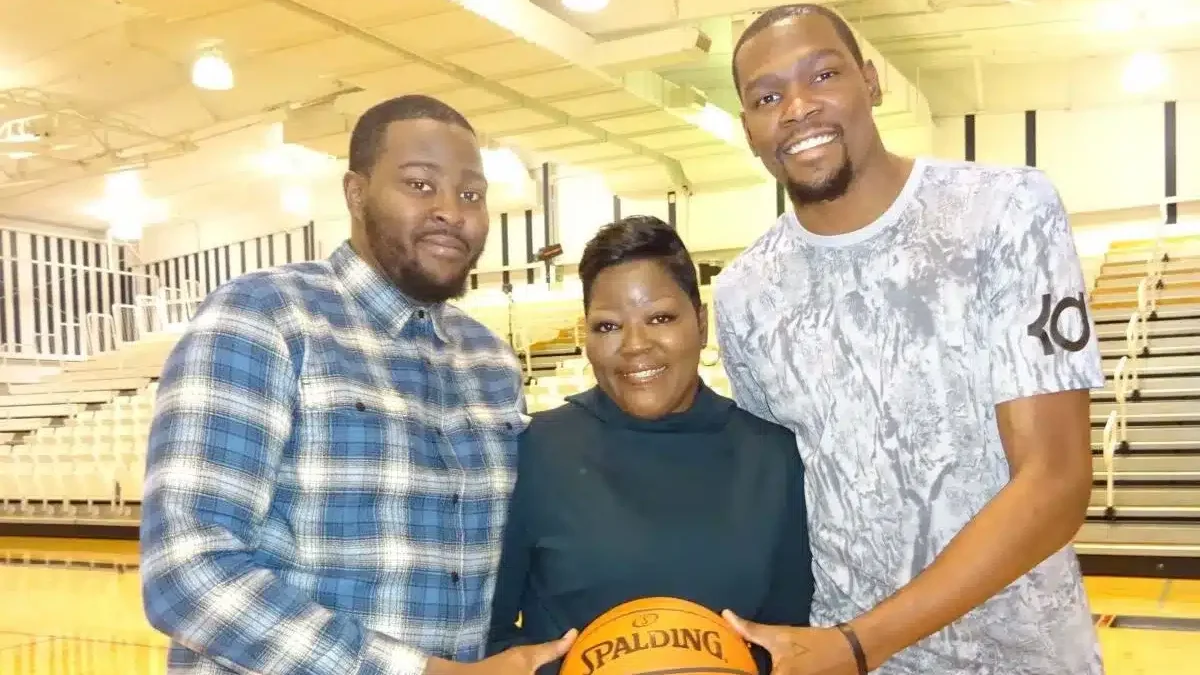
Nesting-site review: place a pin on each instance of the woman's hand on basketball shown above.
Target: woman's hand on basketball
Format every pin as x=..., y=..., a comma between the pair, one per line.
x=526, y=659
x=798, y=651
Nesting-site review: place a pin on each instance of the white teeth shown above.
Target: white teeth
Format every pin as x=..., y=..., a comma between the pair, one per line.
x=809, y=143
x=643, y=375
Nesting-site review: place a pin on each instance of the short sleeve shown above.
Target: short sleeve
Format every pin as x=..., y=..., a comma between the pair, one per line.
x=1042, y=336
x=747, y=391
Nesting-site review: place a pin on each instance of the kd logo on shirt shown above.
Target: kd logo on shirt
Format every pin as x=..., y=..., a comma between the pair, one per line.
x=1050, y=317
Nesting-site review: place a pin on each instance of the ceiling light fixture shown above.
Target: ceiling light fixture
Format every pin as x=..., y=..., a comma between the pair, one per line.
x=125, y=208
x=211, y=71
x=586, y=6
x=502, y=165
x=296, y=201
x=1145, y=72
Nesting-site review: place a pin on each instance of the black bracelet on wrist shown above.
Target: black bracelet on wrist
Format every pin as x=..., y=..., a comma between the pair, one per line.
x=860, y=657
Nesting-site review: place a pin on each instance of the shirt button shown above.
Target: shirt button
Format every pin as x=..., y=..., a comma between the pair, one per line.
x=454, y=577
x=420, y=314
x=454, y=499
x=359, y=406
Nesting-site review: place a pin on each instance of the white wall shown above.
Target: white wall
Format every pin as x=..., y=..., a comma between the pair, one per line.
x=1102, y=159
x=1108, y=161
x=49, y=284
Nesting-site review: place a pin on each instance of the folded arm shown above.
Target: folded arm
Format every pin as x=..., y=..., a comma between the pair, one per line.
x=223, y=418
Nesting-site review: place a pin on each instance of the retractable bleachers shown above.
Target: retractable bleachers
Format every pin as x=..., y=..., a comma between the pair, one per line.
x=1146, y=422
x=74, y=446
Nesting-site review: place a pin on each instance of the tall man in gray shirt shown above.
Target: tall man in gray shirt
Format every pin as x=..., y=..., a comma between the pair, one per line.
x=922, y=326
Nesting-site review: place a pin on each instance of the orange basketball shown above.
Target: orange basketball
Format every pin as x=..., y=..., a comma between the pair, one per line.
x=659, y=635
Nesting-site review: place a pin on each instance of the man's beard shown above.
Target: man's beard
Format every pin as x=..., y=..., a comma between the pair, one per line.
x=400, y=265
x=825, y=190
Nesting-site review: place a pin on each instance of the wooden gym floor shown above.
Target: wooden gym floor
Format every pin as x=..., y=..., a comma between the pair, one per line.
x=73, y=607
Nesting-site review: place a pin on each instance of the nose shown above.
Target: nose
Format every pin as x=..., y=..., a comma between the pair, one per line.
x=800, y=105
x=633, y=339
x=448, y=211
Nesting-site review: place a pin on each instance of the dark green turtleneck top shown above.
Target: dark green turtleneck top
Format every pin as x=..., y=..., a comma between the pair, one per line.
x=705, y=505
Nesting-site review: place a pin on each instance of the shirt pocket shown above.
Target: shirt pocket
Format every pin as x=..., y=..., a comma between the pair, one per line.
x=347, y=420
x=488, y=436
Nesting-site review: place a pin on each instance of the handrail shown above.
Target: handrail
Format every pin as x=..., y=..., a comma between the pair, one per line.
x=1122, y=376
x=1109, y=449
x=1136, y=345
x=95, y=333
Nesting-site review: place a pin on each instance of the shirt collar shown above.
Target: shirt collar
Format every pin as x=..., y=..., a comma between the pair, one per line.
x=384, y=303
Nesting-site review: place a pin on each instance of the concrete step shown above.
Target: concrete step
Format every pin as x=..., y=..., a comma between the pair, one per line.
x=1148, y=512
x=1145, y=412
x=1116, y=273
x=1186, y=386
x=1185, y=495
x=1150, y=439
x=1184, y=295
x=1140, y=534
x=1083, y=547
x=1133, y=256
x=1121, y=316
x=1154, y=365
x=1129, y=284
x=1149, y=463
x=1157, y=329
x=1147, y=477
x=1158, y=346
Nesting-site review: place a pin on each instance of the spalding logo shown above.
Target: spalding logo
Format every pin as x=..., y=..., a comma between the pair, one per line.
x=695, y=639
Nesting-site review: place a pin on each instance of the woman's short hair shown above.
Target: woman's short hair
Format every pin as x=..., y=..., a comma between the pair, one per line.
x=638, y=238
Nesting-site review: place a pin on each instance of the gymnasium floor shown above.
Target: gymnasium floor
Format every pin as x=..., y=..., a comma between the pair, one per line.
x=81, y=615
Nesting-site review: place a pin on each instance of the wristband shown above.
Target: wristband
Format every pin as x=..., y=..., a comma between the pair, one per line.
x=860, y=657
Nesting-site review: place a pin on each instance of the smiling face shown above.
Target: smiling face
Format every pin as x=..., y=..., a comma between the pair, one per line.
x=422, y=211
x=807, y=106
x=644, y=339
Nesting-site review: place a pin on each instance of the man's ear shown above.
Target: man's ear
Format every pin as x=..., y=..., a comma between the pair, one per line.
x=702, y=319
x=872, y=77
x=354, y=186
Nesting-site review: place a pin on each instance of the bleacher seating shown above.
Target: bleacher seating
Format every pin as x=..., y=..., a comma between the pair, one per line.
x=72, y=446
x=1146, y=422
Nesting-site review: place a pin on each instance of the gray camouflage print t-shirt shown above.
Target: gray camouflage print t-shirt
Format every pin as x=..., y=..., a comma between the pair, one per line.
x=886, y=350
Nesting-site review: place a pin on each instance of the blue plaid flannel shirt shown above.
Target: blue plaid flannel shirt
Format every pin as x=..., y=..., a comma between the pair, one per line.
x=327, y=478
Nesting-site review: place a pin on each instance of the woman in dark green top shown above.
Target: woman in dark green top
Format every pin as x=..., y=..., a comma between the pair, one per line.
x=649, y=483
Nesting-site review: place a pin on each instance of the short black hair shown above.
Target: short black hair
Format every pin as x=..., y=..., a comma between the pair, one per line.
x=776, y=14
x=638, y=238
x=371, y=127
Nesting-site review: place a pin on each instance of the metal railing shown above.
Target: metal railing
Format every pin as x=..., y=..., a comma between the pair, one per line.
x=1127, y=374
x=166, y=309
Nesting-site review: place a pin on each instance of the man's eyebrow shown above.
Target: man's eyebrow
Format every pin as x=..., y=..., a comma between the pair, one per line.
x=806, y=60
x=420, y=164
x=471, y=174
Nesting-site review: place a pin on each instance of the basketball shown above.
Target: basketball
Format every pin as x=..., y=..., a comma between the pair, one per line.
x=654, y=636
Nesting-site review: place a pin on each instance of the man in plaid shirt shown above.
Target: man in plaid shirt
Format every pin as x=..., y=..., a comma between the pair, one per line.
x=334, y=446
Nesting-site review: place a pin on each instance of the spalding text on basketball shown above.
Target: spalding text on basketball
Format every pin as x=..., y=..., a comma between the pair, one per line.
x=602, y=653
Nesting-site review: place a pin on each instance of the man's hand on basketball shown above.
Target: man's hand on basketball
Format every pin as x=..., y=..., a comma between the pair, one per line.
x=798, y=651
x=523, y=660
